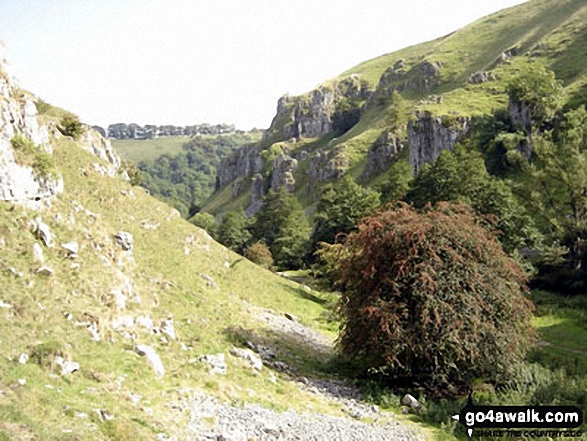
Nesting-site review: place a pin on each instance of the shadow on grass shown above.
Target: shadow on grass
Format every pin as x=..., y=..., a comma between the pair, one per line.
x=302, y=356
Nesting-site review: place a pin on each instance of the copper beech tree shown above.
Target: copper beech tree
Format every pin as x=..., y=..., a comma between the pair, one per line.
x=430, y=298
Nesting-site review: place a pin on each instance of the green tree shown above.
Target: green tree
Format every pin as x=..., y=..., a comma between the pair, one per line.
x=283, y=225
x=70, y=125
x=557, y=187
x=461, y=175
x=233, y=231
x=207, y=222
x=340, y=207
x=430, y=298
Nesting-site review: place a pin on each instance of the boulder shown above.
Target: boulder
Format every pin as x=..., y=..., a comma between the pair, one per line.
x=249, y=356
x=43, y=232
x=152, y=357
x=410, y=401
x=216, y=362
x=124, y=239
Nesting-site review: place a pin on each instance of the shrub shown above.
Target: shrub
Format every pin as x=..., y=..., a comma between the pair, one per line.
x=26, y=153
x=431, y=298
x=260, y=254
x=207, y=222
x=70, y=125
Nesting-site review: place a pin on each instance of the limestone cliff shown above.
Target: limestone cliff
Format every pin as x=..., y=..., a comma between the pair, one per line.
x=429, y=135
x=20, y=181
x=243, y=163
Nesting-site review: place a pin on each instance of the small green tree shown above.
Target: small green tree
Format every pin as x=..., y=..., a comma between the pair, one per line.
x=233, y=231
x=340, y=207
x=461, y=175
x=70, y=125
x=283, y=225
x=430, y=298
x=207, y=222
x=260, y=254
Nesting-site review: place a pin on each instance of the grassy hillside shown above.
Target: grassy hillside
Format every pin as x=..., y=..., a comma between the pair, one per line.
x=176, y=272
x=536, y=31
x=136, y=150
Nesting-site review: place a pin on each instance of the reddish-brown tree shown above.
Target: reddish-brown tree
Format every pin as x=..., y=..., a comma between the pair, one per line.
x=430, y=297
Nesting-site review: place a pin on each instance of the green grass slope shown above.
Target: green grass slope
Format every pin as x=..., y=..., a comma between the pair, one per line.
x=136, y=150
x=554, y=34
x=171, y=271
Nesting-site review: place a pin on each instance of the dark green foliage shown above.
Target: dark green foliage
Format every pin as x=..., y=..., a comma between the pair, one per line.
x=70, y=125
x=461, y=175
x=284, y=227
x=556, y=190
x=401, y=174
x=207, y=222
x=260, y=254
x=233, y=232
x=430, y=297
x=188, y=178
x=538, y=88
x=340, y=207
x=346, y=114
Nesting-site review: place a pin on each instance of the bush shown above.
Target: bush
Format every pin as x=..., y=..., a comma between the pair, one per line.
x=260, y=254
x=26, y=153
x=431, y=298
x=206, y=222
x=70, y=125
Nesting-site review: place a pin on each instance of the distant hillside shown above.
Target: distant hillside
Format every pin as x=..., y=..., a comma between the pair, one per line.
x=355, y=124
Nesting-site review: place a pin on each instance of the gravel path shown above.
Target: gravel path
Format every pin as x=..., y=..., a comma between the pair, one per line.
x=214, y=420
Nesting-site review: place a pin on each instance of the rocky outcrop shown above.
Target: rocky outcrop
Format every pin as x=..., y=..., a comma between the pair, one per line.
x=383, y=153
x=481, y=77
x=422, y=78
x=244, y=162
x=520, y=114
x=257, y=194
x=325, y=167
x=135, y=131
x=93, y=142
x=284, y=167
x=311, y=116
x=21, y=182
x=429, y=135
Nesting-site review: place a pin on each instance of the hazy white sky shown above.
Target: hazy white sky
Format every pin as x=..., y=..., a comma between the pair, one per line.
x=193, y=61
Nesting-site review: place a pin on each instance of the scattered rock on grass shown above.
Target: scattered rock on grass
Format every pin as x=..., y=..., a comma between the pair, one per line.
x=216, y=362
x=124, y=239
x=249, y=356
x=43, y=232
x=410, y=401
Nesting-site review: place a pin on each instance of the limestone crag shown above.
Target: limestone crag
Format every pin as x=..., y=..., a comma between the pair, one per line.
x=383, y=153
x=96, y=144
x=481, y=77
x=520, y=114
x=429, y=135
x=284, y=167
x=327, y=167
x=150, y=131
x=311, y=116
x=244, y=162
x=18, y=117
x=257, y=194
x=422, y=78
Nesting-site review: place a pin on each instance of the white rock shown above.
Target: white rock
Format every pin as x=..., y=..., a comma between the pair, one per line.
x=152, y=357
x=144, y=321
x=44, y=271
x=24, y=357
x=124, y=239
x=246, y=354
x=5, y=305
x=44, y=233
x=216, y=362
x=22, y=381
x=38, y=253
x=168, y=328
x=67, y=367
x=410, y=401
x=93, y=328
x=125, y=321
x=72, y=248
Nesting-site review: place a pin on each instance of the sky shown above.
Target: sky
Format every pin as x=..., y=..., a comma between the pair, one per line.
x=186, y=62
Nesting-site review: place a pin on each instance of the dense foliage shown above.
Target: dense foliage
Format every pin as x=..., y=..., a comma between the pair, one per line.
x=70, y=125
x=233, y=232
x=187, y=179
x=340, y=208
x=431, y=297
x=283, y=225
x=260, y=254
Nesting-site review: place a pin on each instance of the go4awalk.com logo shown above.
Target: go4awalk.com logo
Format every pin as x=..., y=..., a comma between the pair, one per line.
x=521, y=421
